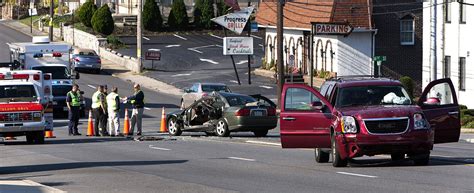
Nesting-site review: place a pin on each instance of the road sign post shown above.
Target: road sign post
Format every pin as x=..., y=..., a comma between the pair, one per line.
x=153, y=54
x=379, y=60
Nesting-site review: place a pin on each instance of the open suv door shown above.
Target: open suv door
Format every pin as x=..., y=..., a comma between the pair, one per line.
x=305, y=118
x=440, y=106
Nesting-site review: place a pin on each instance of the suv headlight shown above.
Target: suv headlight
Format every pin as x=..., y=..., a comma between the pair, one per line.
x=420, y=122
x=349, y=124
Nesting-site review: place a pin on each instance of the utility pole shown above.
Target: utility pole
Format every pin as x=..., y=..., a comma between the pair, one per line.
x=51, y=13
x=139, y=37
x=434, y=47
x=249, y=23
x=280, y=67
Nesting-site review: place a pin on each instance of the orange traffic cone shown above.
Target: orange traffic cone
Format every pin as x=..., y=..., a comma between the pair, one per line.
x=163, y=128
x=126, y=123
x=90, y=125
x=49, y=134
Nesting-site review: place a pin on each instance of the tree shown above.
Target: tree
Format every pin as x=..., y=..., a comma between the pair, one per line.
x=203, y=13
x=86, y=12
x=152, y=20
x=222, y=8
x=178, y=18
x=102, y=20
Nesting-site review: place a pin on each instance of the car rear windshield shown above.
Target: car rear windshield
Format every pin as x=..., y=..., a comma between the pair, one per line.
x=237, y=100
x=217, y=88
x=86, y=53
x=18, y=93
x=61, y=90
x=58, y=72
x=372, y=95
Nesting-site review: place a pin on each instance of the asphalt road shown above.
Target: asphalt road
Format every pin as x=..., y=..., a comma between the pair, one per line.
x=194, y=163
x=191, y=58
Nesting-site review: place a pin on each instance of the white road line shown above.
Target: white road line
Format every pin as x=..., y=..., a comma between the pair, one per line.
x=256, y=37
x=174, y=45
x=146, y=38
x=266, y=87
x=153, y=49
x=158, y=148
x=220, y=46
x=234, y=81
x=261, y=45
x=263, y=143
x=354, y=174
x=180, y=37
x=208, y=60
x=146, y=108
x=91, y=86
x=202, y=47
x=195, y=50
x=444, y=156
x=243, y=159
x=216, y=36
x=177, y=75
x=241, y=62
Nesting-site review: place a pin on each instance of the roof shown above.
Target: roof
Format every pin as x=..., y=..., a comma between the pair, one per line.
x=300, y=13
x=78, y=50
x=15, y=82
x=216, y=84
x=50, y=65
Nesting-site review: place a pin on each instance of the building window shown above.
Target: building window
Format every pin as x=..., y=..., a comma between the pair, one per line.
x=407, y=31
x=447, y=7
x=447, y=67
x=462, y=73
x=462, y=12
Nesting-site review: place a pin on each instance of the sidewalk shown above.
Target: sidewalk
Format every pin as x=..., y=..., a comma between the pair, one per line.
x=25, y=186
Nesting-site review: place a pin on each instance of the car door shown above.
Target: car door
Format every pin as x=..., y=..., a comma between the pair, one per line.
x=440, y=106
x=188, y=97
x=301, y=124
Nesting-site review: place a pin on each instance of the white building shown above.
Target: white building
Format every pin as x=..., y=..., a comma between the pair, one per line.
x=351, y=55
x=454, y=42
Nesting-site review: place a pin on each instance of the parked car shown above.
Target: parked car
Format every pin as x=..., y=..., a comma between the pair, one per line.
x=357, y=116
x=222, y=113
x=86, y=59
x=199, y=90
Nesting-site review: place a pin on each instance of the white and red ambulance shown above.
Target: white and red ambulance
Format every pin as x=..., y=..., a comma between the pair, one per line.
x=25, y=104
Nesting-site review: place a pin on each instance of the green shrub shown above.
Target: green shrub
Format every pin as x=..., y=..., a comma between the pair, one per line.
x=264, y=64
x=462, y=107
x=271, y=64
x=465, y=112
x=152, y=20
x=178, y=18
x=102, y=21
x=409, y=85
x=65, y=9
x=86, y=12
x=114, y=42
x=469, y=125
x=203, y=13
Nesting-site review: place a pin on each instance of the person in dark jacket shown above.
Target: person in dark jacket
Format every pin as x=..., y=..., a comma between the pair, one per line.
x=137, y=101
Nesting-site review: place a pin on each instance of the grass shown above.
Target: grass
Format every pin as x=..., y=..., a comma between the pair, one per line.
x=27, y=20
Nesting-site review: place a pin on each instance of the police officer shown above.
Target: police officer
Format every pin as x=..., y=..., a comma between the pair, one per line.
x=113, y=107
x=99, y=111
x=73, y=102
x=137, y=101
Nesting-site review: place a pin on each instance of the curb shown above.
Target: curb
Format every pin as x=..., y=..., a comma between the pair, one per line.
x=26, y=186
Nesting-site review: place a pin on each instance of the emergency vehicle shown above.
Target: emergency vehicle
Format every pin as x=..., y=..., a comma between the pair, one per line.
x=25, y=104
x=48, y=57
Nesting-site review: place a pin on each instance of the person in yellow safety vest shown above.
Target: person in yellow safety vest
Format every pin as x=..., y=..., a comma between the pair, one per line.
x=99, y=111
x=73, y=102
x=137, y=101
x=113, y=109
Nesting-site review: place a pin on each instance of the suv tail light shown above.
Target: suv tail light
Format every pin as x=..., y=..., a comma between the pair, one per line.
x=271, y=111
x=243, y=112
x=36, y=76
x=47, y=76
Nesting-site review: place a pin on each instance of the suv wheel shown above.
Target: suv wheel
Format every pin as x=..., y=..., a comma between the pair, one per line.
x=174, y=128
x=421, y=159
x=336, y=158
x=321, y=156
x=260, y=133
x=35, y=137
x=222, y=130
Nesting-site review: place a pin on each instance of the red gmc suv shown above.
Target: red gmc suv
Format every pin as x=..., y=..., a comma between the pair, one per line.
x=356, y=116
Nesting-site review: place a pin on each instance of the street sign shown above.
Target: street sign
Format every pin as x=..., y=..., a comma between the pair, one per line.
x=292, y=60
x=254, y=26
x=32, y=12
x=235, y=21
x=332, y=28
x=238, y=46
x=380, y=58
x=152, y=55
